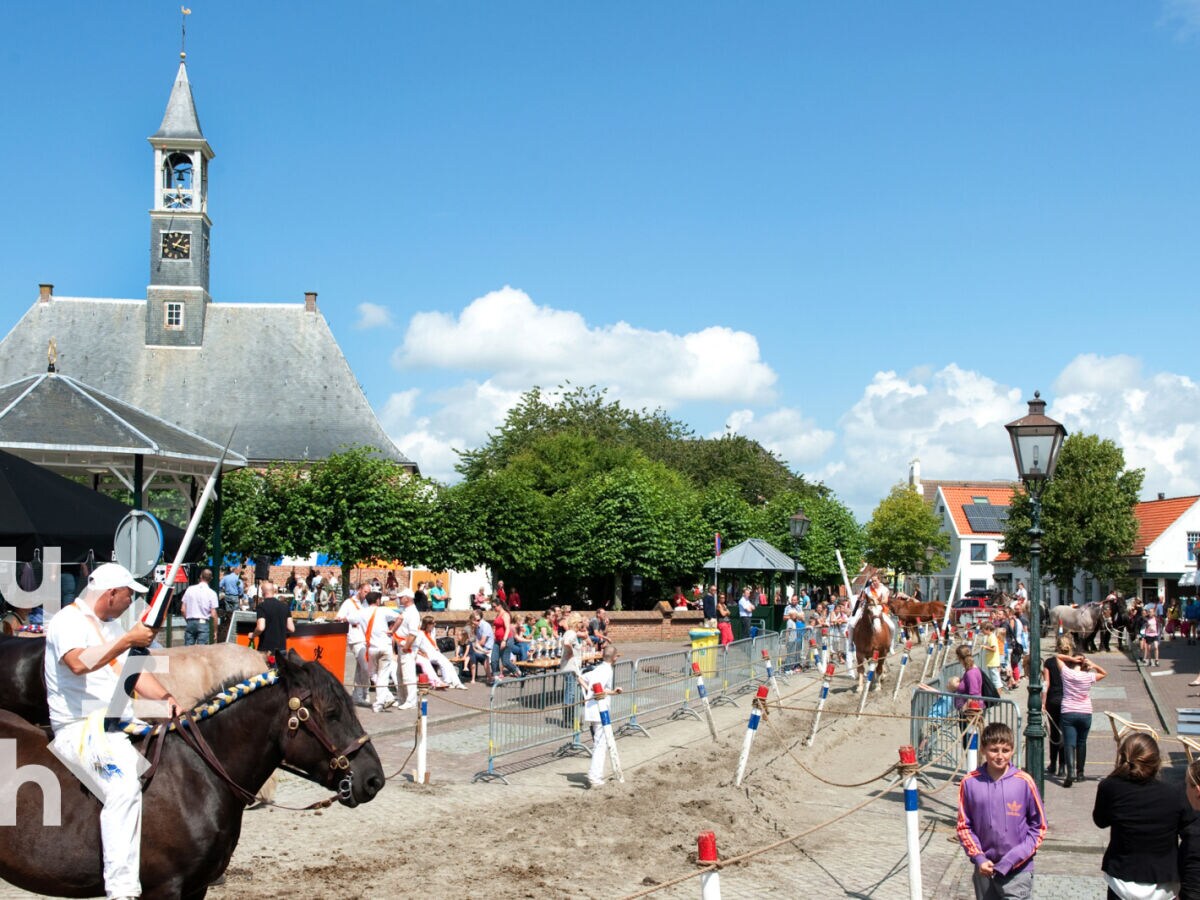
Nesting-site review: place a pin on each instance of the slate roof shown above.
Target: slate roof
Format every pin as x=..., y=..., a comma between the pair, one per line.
x=273, y=369
x=1156, y=516
x=180, y=119
x=754, y=555
x=55, y=412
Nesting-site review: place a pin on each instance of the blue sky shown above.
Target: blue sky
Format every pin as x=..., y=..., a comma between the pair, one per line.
x=860, y=233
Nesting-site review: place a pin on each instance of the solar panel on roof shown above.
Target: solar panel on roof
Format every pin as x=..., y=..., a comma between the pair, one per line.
x=986, y=517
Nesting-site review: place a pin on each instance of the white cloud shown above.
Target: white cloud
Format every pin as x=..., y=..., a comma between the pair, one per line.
x=372, y=315
x=1154, y=418
x=797, y=440
x=1183, y=16
x=519, y=344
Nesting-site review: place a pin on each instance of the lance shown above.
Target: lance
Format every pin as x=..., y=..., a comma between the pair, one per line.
x=153, y=616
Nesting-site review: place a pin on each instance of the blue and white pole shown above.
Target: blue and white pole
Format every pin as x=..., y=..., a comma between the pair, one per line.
x=903, y=666
x=771, y=676
x=912, y=823
x=862, y=701
x=703, y=692
x=606, y=723
x=824, y=647
x=755, y=716
x=931, y=650
x=421, y=776
x=821, y=704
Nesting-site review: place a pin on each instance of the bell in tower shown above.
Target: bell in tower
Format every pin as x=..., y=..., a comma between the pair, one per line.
x=177, y=297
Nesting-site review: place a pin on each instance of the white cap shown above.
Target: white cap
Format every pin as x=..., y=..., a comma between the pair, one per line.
x=405, y=593
x=112, y=575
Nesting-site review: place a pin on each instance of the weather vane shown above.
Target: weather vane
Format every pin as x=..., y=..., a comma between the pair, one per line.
x=183, y=31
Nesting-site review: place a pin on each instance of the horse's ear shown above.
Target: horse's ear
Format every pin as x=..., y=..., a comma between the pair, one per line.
x=288, y=663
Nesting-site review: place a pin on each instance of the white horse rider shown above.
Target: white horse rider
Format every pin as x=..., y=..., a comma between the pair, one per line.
x=875, y=594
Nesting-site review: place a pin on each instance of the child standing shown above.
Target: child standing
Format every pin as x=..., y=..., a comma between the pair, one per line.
x=1001, y=822
x=992, y=656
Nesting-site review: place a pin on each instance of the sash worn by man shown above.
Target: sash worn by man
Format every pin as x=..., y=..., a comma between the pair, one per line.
x=85, y=651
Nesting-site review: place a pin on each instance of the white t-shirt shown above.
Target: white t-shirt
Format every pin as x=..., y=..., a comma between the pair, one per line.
x=602, y=675
x=74, y=697
x=347, y=612
x=410, y=623
x=570, y=639
x=381, y=640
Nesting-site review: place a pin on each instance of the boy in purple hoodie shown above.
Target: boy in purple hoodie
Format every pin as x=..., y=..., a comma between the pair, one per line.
x=1001, y=822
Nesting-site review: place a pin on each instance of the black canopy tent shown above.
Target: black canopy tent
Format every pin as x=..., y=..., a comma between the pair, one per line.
x=40, y=509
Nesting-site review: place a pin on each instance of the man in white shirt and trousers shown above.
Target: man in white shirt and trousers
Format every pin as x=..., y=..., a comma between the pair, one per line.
x=357, y=643
x=601, y=674
x=405, y=632
x=86, y=650
x=376, y=624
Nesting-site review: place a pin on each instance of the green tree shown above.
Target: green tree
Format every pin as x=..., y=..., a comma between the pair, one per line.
x=498, y=521
x=640, y=519
x=832, y=527
x=723, y=510
x=902, y=527
x=1087, y=513
x=356, y=506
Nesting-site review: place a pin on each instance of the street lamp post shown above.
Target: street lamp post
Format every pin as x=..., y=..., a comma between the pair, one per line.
x=1036, y=440
x=798, y=526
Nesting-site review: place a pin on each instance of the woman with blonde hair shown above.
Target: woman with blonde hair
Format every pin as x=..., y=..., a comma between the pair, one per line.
x=1052, y=696
x=1146, y=817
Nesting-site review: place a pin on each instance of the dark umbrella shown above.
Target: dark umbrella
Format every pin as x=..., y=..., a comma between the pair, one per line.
x=40, y=509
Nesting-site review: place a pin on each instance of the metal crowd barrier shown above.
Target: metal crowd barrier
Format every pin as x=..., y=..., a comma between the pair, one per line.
x=545, y=710
x=937, y=728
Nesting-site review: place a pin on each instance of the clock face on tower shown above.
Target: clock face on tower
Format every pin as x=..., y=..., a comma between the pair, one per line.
x=176, y=245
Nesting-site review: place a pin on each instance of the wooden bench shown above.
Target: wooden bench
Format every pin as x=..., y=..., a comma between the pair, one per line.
x=1122, y=726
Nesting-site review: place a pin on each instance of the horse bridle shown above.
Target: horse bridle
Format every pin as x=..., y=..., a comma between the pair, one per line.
x=339, y=760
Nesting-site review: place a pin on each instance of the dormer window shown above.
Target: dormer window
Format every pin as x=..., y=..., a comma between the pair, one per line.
x=173, y=316
x=178, y=190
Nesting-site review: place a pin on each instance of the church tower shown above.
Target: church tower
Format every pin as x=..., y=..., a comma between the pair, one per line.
x=177, y=297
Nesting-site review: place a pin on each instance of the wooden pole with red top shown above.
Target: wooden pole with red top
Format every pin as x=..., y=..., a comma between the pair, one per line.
x=903, y=666
x=756, y=711
x=821, y=704
x=912, y=823
x=421, y=776
x=706, y=855
x=771, y=682
x=700, y=689
x=862, y=701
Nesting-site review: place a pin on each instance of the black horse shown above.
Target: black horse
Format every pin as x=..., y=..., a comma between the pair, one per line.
x=191, y=817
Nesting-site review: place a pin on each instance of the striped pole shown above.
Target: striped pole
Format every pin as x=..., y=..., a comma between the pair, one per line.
x=912, y=823
x=824, y=646
x=421, y=776
x=755, y=715
x=771, y=676
x=931, y=650
x=814, y=655
x=606, y=723
x=820, y=704
x=712, y=728
x=706, y=855
x=903, y=664
x=862, y=701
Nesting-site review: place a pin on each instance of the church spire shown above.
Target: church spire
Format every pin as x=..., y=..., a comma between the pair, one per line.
x=180, y=119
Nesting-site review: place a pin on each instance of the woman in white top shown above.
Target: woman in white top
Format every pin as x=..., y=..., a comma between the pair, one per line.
x=572, y=676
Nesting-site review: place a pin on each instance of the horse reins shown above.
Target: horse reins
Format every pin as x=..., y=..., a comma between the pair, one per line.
x=186, y=726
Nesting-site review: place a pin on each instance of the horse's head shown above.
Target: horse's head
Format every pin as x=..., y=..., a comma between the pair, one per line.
x=323, y=738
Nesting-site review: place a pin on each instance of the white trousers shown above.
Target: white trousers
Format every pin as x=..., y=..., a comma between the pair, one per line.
x=383, y=663
x=448, y=670
x=362, y=672
x=408, y=677
x=121, y=818
x=599, y=753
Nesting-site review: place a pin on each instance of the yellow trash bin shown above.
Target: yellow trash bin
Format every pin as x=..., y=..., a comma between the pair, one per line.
x=705, y=642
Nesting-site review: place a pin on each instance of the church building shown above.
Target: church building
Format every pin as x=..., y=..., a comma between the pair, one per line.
x=193, y=361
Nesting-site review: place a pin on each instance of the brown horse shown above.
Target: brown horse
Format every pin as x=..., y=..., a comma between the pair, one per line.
x=191, y=817
x=911, y=613
x=872, y=638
